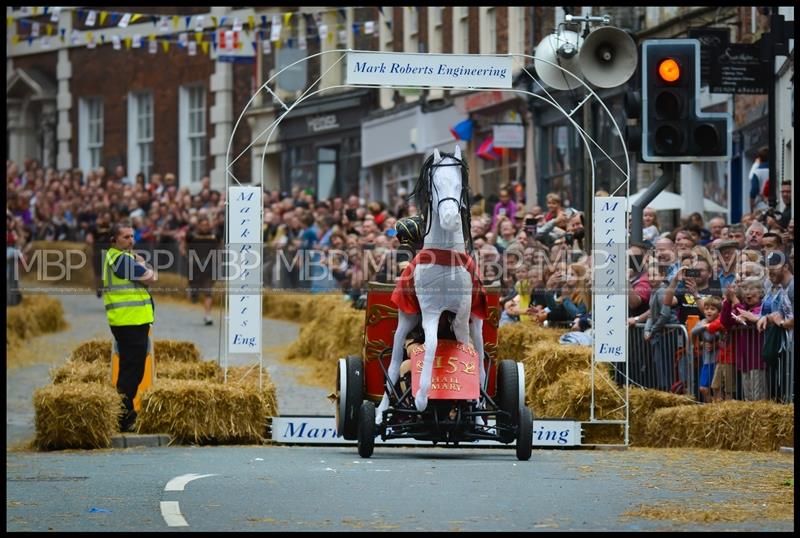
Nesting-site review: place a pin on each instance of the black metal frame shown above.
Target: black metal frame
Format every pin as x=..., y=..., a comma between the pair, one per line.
x=402, y=420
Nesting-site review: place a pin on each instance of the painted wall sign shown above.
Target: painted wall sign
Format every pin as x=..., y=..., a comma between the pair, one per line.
x=425, y=70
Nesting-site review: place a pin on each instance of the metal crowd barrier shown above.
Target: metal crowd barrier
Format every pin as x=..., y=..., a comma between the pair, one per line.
x=663, y=363
x=673, y=361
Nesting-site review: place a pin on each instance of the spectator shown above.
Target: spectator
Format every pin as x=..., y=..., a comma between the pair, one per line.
x=710, y=342
x=755, y=232
x=728, y=260
x=715, y=227
x=786, y=198
x=759, y=181
x=663, y=342
x=650, y=225
x=747, y=343
x=776, y=309
x=506, y=207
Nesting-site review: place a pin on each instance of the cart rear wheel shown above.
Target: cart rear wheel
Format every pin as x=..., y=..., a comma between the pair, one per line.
x=366, y=429
x=525, y=435
x=350, y=394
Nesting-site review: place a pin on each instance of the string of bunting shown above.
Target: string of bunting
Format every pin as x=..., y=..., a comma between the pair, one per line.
x=269, y=31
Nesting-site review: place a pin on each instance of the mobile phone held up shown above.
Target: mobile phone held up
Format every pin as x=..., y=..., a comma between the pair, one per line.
x=692, y=273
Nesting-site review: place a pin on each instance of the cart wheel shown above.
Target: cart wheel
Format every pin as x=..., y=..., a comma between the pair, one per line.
x=508, y=398
x=366, y=429
x=350, y=394
x=525, y=436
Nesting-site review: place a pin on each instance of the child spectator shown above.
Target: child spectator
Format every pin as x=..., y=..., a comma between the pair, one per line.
x=711, y=341
x=650, y=220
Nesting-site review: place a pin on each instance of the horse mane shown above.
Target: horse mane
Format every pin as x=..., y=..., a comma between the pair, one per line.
x=423, y=194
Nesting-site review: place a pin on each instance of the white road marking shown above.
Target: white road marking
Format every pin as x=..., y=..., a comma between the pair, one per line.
x=179, y=482
x=171, y=512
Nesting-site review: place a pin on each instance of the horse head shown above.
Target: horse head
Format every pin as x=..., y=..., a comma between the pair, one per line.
x=442, y=194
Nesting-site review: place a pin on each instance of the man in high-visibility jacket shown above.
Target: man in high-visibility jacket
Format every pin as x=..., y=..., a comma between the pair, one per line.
x=129, y=309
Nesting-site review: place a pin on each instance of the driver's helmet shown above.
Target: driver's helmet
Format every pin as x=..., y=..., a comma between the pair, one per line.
x=411, y=231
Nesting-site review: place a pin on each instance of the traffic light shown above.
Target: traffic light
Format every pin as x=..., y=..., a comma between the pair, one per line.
x=673, y=127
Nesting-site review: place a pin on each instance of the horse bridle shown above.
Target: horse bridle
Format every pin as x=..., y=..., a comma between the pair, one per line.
x=458, y=162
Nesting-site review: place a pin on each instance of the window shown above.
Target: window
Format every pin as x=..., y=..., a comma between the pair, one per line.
x=193, y=133
x=562, y=164
x=140, y=134
x=436, y=34
x=463, y=24
x=490, y=43
x=400, y=174
x=90, y=133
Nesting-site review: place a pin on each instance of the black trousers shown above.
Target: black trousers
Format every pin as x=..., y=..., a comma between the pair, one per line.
x=132, y=342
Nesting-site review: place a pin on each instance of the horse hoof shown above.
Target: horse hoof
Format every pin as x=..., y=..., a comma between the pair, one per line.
x=421, y=402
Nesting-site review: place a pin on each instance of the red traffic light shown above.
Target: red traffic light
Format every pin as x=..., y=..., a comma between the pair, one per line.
x=669, y=70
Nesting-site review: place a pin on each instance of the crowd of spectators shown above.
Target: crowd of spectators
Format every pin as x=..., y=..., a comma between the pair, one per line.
x=712, y=274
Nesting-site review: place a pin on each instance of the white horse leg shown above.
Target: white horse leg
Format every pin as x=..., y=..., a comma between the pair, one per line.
x=476, y=329
x=405, y=322
x=430, y=324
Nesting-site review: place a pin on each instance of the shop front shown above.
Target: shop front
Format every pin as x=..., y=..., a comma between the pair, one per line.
x=322, y=141
x=396, y=142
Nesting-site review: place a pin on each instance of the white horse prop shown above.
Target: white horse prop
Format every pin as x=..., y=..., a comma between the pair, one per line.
x=444, y=275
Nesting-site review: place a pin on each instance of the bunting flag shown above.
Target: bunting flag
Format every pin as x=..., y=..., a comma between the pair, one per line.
x=204, y=46
x=128, y=43
x=165, y=45
x=487, y=151
x=94, y=18
x=152, y=46
x=192, y=48
x=267, y=46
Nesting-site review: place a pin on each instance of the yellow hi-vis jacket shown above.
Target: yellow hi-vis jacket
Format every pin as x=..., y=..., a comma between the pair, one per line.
x=127, y=302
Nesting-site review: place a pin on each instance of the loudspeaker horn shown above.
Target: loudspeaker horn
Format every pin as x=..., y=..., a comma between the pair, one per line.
x=608, y=57
x=561, y=49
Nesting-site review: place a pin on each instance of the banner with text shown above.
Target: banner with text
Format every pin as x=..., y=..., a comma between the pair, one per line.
x=322, y=430
x=244, y=276
x=610, y=279
x=412, y=69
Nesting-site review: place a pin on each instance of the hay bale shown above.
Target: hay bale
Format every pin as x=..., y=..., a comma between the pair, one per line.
x=335, y=332
x=571, y=397
x=203, y=413
x=35, y=315
x=76, y=415
x=81, y=372
x=176, y=350
x=248, y=376
x=171, y=369
x=546, y=361
x=165, y=350
x=759, y=426
x=93, y=351
x=514, y=338
x=643, y=403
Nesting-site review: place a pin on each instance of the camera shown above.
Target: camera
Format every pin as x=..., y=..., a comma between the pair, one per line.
x=692, y=273
x=569, y=238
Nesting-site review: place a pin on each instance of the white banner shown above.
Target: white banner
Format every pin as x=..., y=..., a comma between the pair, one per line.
x=413, y=69
x=244, y=270
x=322, y=430
x=610, y=279
x=508, y=136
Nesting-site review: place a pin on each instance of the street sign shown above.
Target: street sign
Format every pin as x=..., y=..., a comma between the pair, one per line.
x=737, y=68
x=712, y=40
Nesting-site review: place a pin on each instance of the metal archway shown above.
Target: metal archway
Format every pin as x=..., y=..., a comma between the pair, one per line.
x=588, y=142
